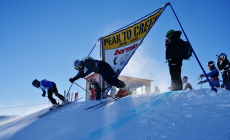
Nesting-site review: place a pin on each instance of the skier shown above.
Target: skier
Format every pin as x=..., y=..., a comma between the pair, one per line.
x=213, y=74
x=173, y=55
x=88, y=65
x=223, y=66
x=186, y=85
x=51, y=87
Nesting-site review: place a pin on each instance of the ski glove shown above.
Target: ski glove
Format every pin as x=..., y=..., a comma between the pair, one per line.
x=201, y=82
x=71, y=80
x=44, y=94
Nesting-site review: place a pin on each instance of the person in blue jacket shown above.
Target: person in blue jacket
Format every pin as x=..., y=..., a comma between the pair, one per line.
x=213, y=75
x=51, y=88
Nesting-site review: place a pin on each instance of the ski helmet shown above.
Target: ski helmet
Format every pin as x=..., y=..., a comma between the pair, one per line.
x=77, y=64
x=36, y=83
x=211, y=63
x=170, y=32
x=222, y=56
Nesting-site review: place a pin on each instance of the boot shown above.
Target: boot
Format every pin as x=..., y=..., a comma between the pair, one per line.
x=64, y=102
x=54, y=106
x=123, y=92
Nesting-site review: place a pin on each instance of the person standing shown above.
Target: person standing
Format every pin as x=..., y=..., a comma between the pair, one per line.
x=223, y=66
x=186, y=85
x=156, y=89
x=173, y=55
x=51, y=88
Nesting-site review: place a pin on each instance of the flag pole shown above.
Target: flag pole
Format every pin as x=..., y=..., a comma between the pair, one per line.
x=212, y=87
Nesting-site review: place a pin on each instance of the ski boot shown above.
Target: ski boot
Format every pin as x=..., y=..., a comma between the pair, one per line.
x=64, y=102
x=54, y=106
x=123, y=92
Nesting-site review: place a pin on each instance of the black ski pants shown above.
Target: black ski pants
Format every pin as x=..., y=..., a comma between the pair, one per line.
x=175, y=72
x=111, y=77
x=55, y=91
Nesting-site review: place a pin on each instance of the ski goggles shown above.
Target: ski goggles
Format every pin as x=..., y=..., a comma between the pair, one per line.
x=77, y=64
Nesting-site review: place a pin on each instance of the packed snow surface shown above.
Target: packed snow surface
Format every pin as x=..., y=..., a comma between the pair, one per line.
x=185, y=115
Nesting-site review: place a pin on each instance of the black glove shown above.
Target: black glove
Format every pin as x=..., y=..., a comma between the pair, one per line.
x=201, y=82
x=71, y=80
x=44, y=94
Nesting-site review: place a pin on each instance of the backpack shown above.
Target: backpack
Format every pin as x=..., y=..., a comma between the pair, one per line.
x=186, y=51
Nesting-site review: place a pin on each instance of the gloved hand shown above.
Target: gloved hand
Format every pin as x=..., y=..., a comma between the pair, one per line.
x=71, y=80
x=201, y=76
x=201, y=82
x=44, y=94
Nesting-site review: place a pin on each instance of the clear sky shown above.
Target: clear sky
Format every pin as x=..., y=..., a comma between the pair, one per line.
x=40, y=39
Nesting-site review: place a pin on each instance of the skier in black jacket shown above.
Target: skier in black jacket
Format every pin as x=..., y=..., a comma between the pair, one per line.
x=223, y=66
x=88, y=65
x=173, y=55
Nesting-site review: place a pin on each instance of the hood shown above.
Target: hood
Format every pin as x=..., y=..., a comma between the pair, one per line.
x=176, y=35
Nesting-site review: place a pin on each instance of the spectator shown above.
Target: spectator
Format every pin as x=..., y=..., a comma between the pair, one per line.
x=186, y=85
x=173, y=54
x=213, y=74
x=223, y=66
x=156, y=89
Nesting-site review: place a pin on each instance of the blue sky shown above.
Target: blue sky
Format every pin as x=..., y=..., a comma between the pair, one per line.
x=41, y=39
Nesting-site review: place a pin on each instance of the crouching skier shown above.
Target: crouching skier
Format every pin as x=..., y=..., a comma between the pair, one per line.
x=213, y=74
x=52, y=88
x=88, y=65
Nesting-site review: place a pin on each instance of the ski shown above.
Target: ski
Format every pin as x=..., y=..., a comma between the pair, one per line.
x=51, y=111
x=111, y=101
x=101, y=103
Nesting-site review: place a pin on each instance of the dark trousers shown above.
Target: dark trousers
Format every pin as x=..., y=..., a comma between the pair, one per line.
x=55, y=91
x=111, y=77
x=226, y=82
x=175, y=72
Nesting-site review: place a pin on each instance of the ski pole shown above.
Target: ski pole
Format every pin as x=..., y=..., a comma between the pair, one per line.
x=201, y=83
x=68, y=91
x=83, y=89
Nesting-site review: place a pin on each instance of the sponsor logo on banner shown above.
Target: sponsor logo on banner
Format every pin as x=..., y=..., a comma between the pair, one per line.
x=125, y=49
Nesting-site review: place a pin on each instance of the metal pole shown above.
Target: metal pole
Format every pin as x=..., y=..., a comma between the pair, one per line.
x=68, y=91
x=214, y=89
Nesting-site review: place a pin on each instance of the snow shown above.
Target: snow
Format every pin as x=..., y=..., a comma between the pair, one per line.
x=191, y=115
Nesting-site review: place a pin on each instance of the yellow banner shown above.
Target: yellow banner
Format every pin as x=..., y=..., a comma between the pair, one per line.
x=130, y=34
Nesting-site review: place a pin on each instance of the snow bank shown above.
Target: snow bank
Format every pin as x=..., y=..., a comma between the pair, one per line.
x=196, y=114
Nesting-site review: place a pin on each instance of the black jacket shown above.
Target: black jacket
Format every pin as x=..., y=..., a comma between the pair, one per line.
x=223, y=67
x=90, y=65
x=174, y=47
x=188, y=86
